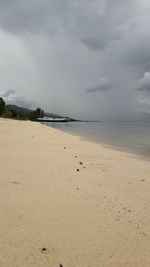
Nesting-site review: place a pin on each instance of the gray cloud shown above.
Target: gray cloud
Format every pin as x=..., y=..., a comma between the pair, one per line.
x=22, y=101
x=103, y=85
x=144, y=83
x=11, y=97
x=9, y=92
x=53, y=50
x=95, y=23
x=143, y=90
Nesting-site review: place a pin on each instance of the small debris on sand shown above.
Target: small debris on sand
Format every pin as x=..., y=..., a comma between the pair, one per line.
x=64, y=147
x=125, y=209
x=142, y=180
x=75, y=156
x=80, y=162
x=77, y=170
x=60, y=265
x=77, y=188
x=44, y=250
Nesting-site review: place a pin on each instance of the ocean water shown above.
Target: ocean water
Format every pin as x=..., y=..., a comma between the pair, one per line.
x=131, y=137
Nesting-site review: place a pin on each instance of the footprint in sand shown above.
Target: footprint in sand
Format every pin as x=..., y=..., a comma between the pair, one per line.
x=15, y=182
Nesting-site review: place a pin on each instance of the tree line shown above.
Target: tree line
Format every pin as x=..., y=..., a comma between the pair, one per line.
x=5, y=112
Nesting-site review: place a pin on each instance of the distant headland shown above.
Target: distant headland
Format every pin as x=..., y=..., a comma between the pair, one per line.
x=22, y=113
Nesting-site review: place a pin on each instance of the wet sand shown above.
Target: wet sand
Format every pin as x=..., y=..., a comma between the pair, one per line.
x=69, y=202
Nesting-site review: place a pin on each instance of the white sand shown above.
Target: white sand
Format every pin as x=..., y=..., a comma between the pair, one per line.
x=97, y=217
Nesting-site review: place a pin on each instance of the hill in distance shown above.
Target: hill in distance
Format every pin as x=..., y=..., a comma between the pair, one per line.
x=19, y=109
x=26, y=110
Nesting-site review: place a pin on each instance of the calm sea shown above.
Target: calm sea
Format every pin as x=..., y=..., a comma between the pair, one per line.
x=132, y=137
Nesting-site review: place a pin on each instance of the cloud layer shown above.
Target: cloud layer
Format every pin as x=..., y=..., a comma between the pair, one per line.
x=144, y=83
x=8, y=93
x=103, y=85
x=54, y=52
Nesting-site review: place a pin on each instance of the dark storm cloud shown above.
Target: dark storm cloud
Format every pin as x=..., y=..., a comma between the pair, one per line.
x=19, y=16
x=51, y=50
x=95, y=23
x=103, y=85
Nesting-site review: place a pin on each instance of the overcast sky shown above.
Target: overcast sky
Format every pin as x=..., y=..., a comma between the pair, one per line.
x=88, y=59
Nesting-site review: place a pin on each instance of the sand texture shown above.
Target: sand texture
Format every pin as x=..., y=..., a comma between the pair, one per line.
x=68, y=202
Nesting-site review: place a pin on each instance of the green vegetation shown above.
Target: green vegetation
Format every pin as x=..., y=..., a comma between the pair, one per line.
x=5, y=112
x=2, y=106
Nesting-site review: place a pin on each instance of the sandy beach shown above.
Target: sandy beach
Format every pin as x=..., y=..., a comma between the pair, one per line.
x=68, y=202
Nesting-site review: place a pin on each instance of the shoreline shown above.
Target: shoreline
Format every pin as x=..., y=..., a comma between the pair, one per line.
x=137, y=155
x=69, y=201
